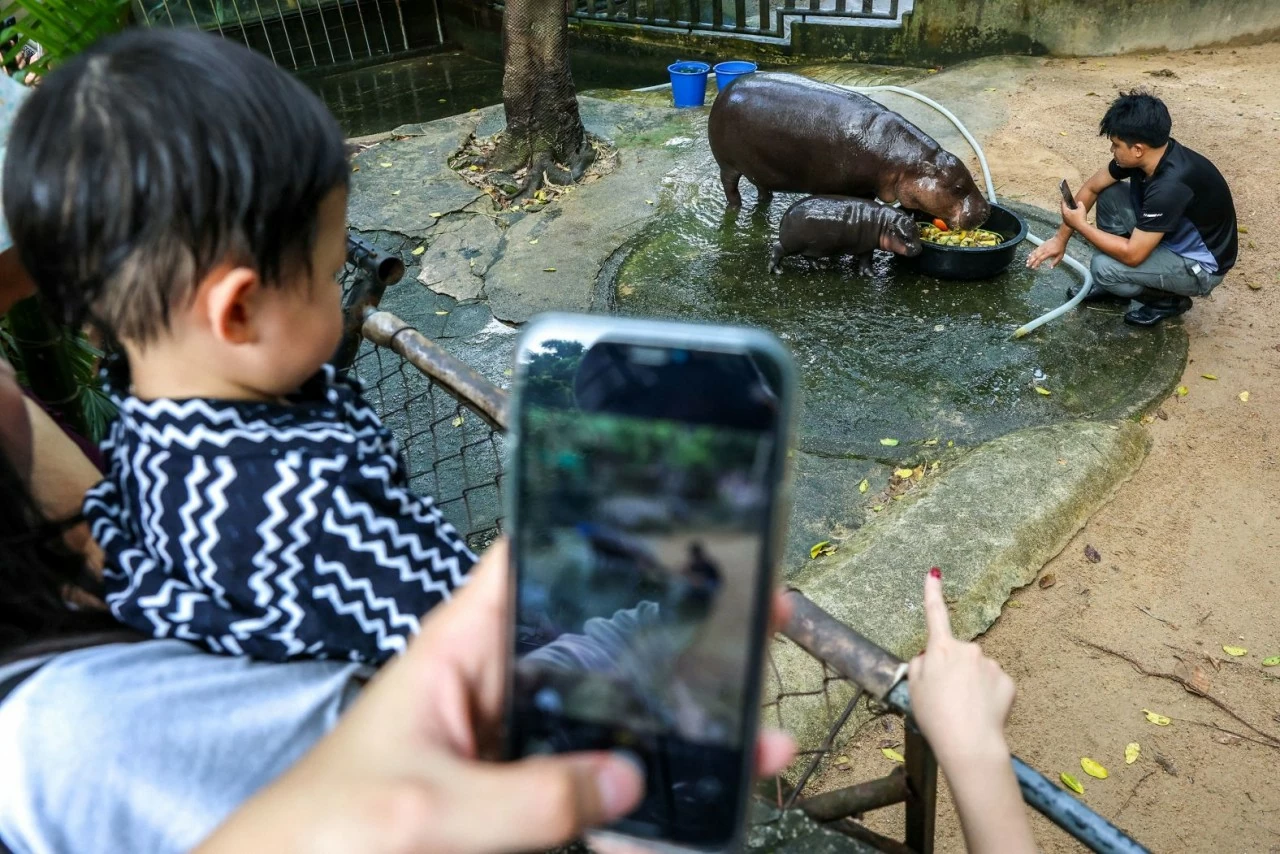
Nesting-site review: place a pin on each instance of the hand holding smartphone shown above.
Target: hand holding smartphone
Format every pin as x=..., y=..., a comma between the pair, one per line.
x=647, y=500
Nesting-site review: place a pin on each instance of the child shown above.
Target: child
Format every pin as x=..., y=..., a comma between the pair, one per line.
x=189, y=199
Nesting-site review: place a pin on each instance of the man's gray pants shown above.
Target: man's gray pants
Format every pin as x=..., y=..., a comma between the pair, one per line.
x=1164, y=269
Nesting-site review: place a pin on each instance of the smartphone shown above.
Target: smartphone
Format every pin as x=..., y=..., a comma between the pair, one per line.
x=1067, y=197
x=647, y=503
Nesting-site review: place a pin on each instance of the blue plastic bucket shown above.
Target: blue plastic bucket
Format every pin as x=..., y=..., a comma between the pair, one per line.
x=727, y=72
x=689, y=83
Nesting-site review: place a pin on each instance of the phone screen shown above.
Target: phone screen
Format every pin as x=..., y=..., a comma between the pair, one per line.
x=646, y=489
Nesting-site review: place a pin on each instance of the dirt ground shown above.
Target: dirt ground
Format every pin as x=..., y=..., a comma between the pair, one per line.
x=1190, y=547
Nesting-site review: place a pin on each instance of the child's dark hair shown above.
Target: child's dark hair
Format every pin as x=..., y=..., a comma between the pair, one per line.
x=1135, y=117
x=142, y=163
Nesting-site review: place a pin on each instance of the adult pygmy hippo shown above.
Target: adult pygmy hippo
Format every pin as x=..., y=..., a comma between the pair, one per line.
x=822, y=226
x=788, y=133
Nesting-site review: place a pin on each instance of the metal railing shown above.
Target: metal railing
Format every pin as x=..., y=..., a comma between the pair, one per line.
x=296, y=34
x=747, y=17
x=450, y=421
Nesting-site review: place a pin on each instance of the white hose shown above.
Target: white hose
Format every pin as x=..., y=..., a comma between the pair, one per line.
x=1026, y=328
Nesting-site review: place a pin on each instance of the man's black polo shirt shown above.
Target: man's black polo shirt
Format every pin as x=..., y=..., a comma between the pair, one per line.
x=1188, y=201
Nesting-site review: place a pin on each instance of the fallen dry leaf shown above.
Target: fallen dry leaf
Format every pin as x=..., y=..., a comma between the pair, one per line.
x=548, y=269
x=892, y=443
x=903, y=473
x=457, y=422
x=1169, y=767
x=1181, y=391
x=1093, y=768
x=1044, y=391
x=1131, y=752
x=889, y=742
x=441, y=313
x=1235, y=650
x=822, y=548
x=418, y=251
x=1271, y=661
x=1071, y=783
x=1244, y=396
x=1048, y=580
x=1091, y=554
x=1157, y=719
x=1162, y=415
x=890, y=753
x=1228, y=740
x=864, y=486
x=1210, y=376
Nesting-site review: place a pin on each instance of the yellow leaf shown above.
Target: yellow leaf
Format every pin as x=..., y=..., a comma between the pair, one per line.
x=1271, y=661
x=442, y=100
x=533, y=242
x=877, y=508
x=950, y=444
x=1093, y=768
x=1131, y=752
x=1235, y=650
x=457, y=422
x=436, y=215
x=1043, y=391
x=817, y=548
x=1244, y=396
x=929, y=443
x=864, y=486
x=395, y=192
x=1062, y=133
x=890, y=753
x=1210, y=376
x=903, y=473
x=419, y=250
x=474, y=168
x=441, y=313
x=386, y=164
x=892, y=443
x=1071, y=783
x=548, y=269
x=1181, y=391
x=648, y=201
x=1158, y=720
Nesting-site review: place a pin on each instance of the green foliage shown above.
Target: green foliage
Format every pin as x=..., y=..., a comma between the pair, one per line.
x=62, y=27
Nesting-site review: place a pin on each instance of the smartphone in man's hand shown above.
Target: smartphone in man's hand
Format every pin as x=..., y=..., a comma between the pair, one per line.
x=1067, y=197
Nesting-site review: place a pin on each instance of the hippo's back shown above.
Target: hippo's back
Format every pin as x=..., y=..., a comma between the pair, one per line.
x=785, y=132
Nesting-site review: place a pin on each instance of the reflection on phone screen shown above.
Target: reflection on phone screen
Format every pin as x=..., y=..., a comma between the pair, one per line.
x=645, y=489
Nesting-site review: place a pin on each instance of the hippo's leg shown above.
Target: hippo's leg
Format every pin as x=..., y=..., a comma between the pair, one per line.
x=775, y=259
x=764, y=197
x=729, y=180
x=864, y=263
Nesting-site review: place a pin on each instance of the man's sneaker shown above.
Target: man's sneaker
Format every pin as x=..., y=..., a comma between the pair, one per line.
x=1096, y=294
x=1151, y=313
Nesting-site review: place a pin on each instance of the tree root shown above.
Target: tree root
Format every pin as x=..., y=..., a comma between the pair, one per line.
x=1132, y=792
x=516, y=177
x=1271, y=740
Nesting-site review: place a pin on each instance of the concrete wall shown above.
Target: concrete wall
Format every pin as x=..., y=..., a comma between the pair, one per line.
x=950, y=30
x=936, y=32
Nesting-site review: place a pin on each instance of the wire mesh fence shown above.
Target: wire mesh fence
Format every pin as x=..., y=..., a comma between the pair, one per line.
x=455, y=456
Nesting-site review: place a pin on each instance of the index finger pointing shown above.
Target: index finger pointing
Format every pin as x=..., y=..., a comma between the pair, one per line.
x=936, y=618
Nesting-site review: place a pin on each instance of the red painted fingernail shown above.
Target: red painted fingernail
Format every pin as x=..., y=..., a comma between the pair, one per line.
x=936, y=573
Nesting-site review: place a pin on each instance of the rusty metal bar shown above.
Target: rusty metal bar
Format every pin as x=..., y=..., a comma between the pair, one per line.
x=922, y=782
x=847, y=652
x=856, y=800
x=452, y=374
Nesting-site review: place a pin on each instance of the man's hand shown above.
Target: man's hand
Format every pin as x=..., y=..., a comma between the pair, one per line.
x=1075, y=217
x=1052, y=250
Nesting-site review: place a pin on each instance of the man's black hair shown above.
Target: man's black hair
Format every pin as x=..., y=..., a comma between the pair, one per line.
x=144, y=162
x=1135, y=117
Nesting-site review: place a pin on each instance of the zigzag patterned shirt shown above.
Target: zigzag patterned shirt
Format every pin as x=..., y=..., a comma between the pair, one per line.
x=276, y=531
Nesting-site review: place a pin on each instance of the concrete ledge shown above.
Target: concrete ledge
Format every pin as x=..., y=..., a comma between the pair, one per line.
x=991, y=523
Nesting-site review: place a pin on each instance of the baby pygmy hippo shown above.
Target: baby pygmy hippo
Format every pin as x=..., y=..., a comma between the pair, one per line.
x=825, y=226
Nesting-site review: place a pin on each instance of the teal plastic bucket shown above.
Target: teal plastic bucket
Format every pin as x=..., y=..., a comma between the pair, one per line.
x=727, y=72
x=689, y=83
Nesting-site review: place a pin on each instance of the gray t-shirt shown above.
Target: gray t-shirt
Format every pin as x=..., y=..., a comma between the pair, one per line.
x=148, y=746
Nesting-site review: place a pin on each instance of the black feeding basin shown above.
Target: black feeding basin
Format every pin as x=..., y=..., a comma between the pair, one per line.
x=972, y=262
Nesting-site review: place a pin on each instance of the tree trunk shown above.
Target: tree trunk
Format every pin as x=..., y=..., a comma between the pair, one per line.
x=544, y=129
